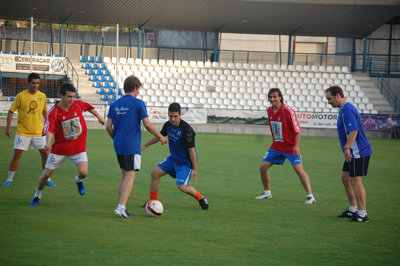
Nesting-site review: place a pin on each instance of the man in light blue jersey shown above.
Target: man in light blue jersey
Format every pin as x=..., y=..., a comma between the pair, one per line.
x=357, y=152
x=124, y=127
x=182, y=163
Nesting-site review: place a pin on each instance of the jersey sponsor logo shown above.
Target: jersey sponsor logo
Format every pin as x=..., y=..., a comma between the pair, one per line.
x=72, y=128
x=32, y=107
x=277, y=130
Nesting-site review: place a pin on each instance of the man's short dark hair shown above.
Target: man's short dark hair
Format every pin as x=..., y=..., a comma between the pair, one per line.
x=33, y=76
x=276, y=90
x=174, y=107
x=67, y=87
x=334, y=90
x=131, y=83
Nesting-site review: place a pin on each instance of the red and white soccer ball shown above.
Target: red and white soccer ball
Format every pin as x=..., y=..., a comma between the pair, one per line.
x=154, y=208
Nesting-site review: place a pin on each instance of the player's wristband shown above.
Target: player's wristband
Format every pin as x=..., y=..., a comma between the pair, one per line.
x=346, y=147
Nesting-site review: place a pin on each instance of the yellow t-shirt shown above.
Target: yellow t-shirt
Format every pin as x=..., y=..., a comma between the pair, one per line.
x=30, y=111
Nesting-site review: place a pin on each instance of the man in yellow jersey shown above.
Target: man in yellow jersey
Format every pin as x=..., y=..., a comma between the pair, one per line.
x=31, y=105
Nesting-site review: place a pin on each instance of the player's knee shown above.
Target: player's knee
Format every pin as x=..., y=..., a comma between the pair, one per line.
x=83, y=173
x=154, y=174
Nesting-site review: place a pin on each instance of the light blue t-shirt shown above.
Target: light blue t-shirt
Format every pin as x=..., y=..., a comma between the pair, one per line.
x=126, y=114
x=349, y=119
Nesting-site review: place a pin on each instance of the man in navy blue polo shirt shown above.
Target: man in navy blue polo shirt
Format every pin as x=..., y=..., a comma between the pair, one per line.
x=357, y=152
x=182, y=163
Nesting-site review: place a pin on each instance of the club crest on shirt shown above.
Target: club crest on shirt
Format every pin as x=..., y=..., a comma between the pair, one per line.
x=75, y=114
x=63, y=117
x=279, y=119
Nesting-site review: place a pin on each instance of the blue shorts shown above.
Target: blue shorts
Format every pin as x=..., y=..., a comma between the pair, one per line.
x=278, y=157
x=181, y=172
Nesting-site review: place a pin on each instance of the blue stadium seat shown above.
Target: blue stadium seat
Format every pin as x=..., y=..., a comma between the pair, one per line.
x=113, y=85
x=29, y=53
x=93, y=78
x=89, y=72
x=83, y=59
x=101, y=91
x=56, y=55
x=109, y=91
x=120, y=93
x=99, y=59
x=113, y=98
x=94, y=66
x=97, y=72
x=109, y=78
x=11, y=99
x=103, y=66
x=47, y=54
x=104, y=97
x=97, y=84
x=101, y=78
x=86, y=66
x=21, y=53
x=105, y=72
x=39, y=54
x=13, y=52
x=105, y=85
x=4, y=52
x=90, y=59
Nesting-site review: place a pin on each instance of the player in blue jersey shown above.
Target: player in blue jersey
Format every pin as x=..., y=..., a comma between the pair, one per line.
x=124, y=126
x=357, y=152
x=182, y=163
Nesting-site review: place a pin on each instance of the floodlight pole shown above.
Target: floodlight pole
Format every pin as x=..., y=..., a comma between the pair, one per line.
x=31, y=43
x=289, y=61
x=116, y=75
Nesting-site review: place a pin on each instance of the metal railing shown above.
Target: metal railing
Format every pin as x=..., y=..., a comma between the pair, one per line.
x=385, y=88
x=74, y=75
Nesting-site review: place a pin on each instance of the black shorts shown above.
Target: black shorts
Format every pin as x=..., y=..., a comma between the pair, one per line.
x=129, y=162
x=357, y=167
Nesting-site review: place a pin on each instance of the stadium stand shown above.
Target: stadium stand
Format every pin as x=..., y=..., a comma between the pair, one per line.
x=225, y=85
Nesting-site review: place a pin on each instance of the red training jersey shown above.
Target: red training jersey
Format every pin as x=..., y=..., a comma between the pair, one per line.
x=284, y=126
x=69, y=128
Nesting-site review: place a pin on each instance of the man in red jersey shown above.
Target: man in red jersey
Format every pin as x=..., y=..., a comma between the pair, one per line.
x=66, y=122
x=286, y=133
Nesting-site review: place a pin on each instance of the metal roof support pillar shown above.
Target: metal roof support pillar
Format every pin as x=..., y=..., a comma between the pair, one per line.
x=140, y=43
x=365, y=57
x=61, y=39
x=117, y=64
x=216, y=47
x=289, y=58
x=353, y=56
x=31, y=42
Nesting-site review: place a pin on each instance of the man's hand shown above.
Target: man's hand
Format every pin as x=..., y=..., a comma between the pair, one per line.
x=163, y=140
x=8, y=132
x=347, y=155
x=194, y=174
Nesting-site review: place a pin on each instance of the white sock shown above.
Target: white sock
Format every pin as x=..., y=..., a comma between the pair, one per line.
x=121, y=206
x=310, y=195
x=77, y=179
x=38, y=193
x=353, y=208
x=362, y=213
x=267, y=191
x=10, y=175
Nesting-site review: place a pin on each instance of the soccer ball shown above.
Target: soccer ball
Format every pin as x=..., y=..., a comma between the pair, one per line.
x=154, y=208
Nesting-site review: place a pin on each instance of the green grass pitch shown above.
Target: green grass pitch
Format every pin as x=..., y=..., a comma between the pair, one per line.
x=68, y=229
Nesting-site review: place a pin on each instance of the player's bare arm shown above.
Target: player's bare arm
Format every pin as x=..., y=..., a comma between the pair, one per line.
x=99, y=117
x=192, y=154
x=149, y=143
x=49, y=136
x=109, y=128
x=351, y=138
x=296, y=149
x=8, y=127
x=149, y=126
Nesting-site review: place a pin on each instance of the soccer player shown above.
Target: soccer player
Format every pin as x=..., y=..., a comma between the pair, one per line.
x=357, y=151
x=66, y=122
x=31, y=105
x=286, y=133
x=124, y=126
x=182, y=163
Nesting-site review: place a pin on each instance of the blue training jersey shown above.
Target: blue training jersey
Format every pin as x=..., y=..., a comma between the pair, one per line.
x=180, y=138
x=349, y=119
x=126, y=114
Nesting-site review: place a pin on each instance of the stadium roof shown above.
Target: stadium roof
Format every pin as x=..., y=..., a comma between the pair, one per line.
x=341, y=18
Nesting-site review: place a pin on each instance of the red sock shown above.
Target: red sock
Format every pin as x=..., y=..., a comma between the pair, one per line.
x=153, y=195
x=198, y=196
